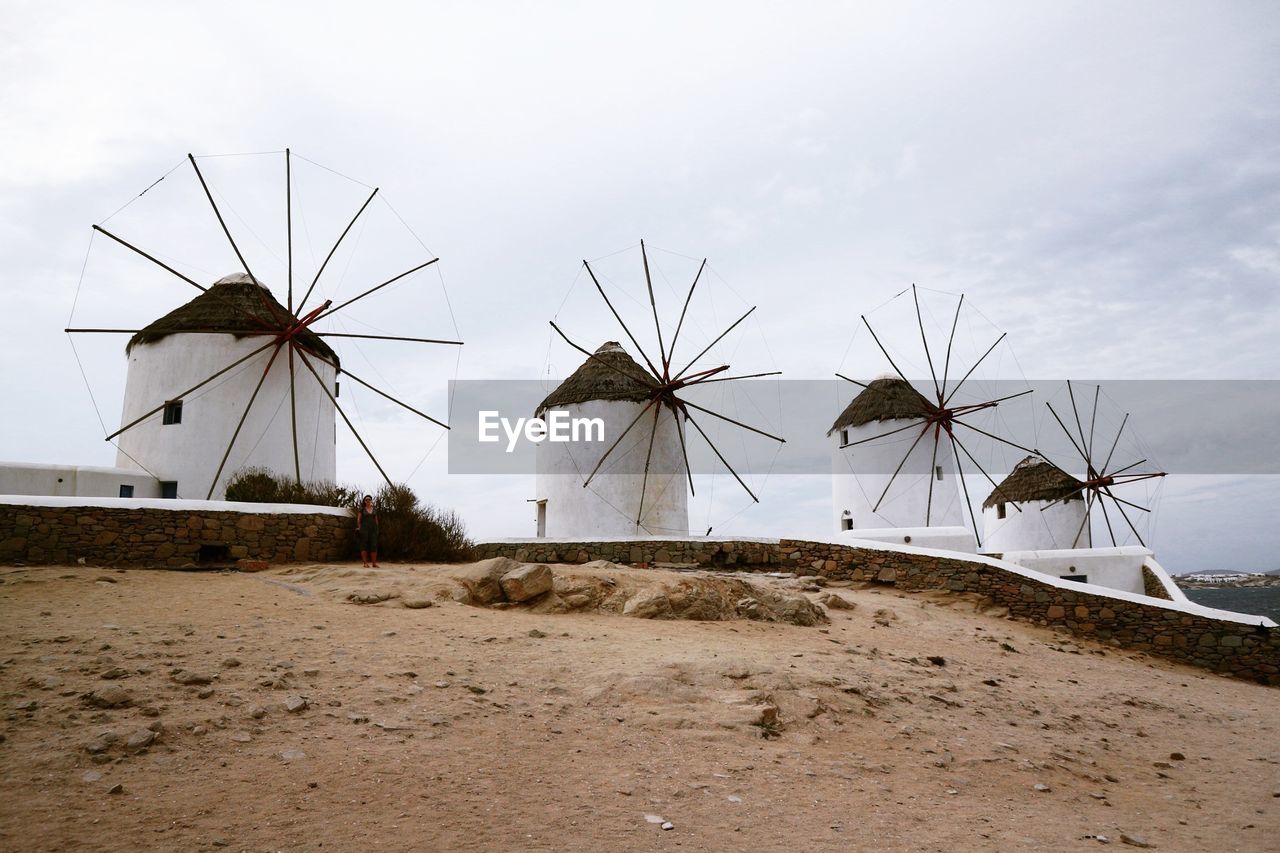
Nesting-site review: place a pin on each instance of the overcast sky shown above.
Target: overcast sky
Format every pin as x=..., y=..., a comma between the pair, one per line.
x=1102, y=180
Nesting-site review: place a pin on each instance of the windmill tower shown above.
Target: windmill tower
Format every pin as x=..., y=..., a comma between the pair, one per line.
x=898, y=457
x=644, y=487
x=235, y=379
x=873, y=485
x=182, y=447
x=637, y=480
x=1038, y=507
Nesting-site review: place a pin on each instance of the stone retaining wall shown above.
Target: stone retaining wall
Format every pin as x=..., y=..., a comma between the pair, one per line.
x=1229, y=647
x=1151, y=585
x=163, y=538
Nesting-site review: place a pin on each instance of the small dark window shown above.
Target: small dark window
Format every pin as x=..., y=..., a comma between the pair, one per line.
x=937, y=471
x=1076, y=578
x=126, y=491
x=173, y=412
x=1000, y=510
x=844, y=437
x=337, y=390
x=168, y=489
x=846, y=524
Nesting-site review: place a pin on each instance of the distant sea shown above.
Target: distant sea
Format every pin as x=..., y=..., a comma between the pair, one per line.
x=1262, y=601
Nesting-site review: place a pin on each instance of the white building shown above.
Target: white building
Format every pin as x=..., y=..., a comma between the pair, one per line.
x=182, y=445
x=881, y=492
x=1037, y=507
x=620, y=500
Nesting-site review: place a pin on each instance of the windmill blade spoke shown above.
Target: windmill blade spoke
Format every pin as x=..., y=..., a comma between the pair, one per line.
x=898, y=470
x=1076, y=412
x=995, y=437
x=375, y=289
x=1072, y=439
x=1126, y=517
x=882, y=435
x=293, y=418
x=249, y=314
x=731, y=378
x=1122, y=470
x=720, y=456
x=1125, y=479
x=642, y=380
x=399, y=403
x=984, y=473
x=671, y=353
x=964, y=487
x=684, y=453
x=876, y=337
x=648, y=457
x=965, y=378
x=719, y=338
x=1112, y=451
x=662, y=349
x=386, y=338
x=288, y=218
x=271, y=309
x=937, y=389
x=621, y=323
x=946, y=367
x=307, y=363
x=328, y=257
x=1093, y=418
x=1088, y=511
x=616, y=442
x=1106, y=517
x=732, y=421
x=1118, y=500
x=933, y=466
x=240, y=425
x=241, y=360
x=970, y=407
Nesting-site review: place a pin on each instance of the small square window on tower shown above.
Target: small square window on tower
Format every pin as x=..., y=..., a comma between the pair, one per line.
x=173, y=412
x=126, y=490
x=169, y=489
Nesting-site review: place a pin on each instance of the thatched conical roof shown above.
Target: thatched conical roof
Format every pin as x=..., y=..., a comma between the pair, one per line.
x=1034, y=479
x=225, y=308
x=885, y=399
x=610, y=375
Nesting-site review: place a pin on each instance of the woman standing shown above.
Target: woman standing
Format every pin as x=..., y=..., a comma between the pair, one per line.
x=367, y=531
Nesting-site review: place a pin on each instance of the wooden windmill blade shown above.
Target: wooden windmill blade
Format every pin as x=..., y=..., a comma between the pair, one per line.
x=244, y=307
x=933, y=413
x=1105, y=474
x=660, y=388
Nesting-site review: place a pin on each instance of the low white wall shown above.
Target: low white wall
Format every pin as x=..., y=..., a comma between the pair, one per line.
x=1114, y=568
x=27, y=478
x=173, y=505
x=941, y=538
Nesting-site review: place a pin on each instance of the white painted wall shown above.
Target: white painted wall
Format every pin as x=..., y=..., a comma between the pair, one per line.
x=942, y=538
x=608, y=507
x=189, y=452
x=859, y=474
x=24, y=478
x=1037, y=527
x=1115, y=568
x=185, y=506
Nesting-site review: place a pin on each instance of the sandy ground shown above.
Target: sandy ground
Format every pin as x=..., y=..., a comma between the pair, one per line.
x=458, y=727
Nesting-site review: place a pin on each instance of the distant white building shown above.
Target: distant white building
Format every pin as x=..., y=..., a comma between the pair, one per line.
x=620, y=499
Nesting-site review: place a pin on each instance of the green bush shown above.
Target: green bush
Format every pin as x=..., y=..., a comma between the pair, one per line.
x=407, y=529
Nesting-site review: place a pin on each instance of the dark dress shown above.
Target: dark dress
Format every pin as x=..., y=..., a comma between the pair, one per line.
x=368, y=530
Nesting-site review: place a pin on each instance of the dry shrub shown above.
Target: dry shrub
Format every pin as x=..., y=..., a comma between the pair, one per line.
x=407, y=528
